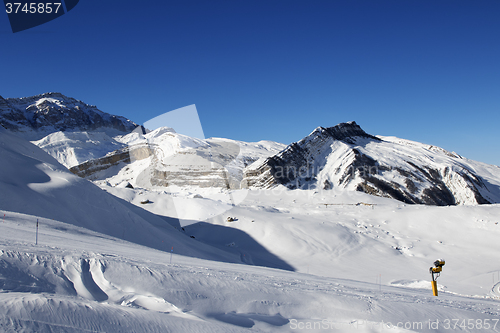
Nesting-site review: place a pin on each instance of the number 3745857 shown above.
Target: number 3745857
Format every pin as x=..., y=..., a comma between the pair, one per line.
x=33, y=7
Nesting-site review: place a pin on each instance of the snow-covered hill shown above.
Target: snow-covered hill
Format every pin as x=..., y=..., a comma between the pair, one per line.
x=346, y=157
x=37, y=116
x=74, y=148
x=342, y=233
x=77, y=281
x=32, y=182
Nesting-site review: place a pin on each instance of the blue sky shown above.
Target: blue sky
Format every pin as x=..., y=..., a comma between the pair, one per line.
x=422, y=70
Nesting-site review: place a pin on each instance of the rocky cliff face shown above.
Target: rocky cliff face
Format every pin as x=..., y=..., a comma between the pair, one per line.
x=36, y=116
x=190, y=167
x=346, y=157
x=164, y=158
x=300, y=161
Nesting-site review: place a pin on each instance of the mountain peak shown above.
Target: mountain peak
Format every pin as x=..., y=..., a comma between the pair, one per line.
x=346, y=132
x=38, y=115
x=31, y=99
x=52, y=94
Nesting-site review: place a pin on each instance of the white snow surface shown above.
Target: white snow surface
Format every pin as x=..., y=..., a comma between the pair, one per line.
x=34, y=183
x=291, y=261
x=74, y=148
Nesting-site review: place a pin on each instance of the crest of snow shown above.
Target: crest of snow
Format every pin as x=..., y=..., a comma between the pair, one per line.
x=159, y=132
x=165, y=139
x=185, y=120
x=50, y=100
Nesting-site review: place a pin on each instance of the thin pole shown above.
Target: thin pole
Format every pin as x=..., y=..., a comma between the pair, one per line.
x=171, y=252
x=36, y=232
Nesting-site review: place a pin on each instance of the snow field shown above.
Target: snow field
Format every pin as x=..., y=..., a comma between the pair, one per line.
x=120, y=286
x=347, y=234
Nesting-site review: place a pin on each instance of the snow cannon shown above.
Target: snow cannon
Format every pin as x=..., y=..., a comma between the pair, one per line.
x=435, y=273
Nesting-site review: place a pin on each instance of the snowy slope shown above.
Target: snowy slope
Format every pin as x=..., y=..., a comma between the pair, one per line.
x=74, y=148
x=34, y=183
x=340, y=233
x=76, y=281
x=344, y=156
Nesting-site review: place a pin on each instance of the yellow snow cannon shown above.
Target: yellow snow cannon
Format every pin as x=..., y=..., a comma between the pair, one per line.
x=435, y=273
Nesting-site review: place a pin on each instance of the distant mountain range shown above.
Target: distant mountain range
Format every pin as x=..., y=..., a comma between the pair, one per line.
x=102, y=147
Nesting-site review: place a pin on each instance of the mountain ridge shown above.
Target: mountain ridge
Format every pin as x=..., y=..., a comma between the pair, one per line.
x=341, y=157
x=346, y=157
x=36, y=116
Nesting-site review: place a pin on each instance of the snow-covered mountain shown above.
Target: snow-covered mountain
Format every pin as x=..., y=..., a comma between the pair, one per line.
x=346, y=157
x=99, y=146
x=37, y=116
x=163, y=158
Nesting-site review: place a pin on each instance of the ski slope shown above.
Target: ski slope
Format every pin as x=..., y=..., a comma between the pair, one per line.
x=34, y=183
x=75, y=281
x=340, y=233
x=291, y=261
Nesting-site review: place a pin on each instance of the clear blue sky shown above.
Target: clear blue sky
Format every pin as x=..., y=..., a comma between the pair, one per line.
x=426, y=70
